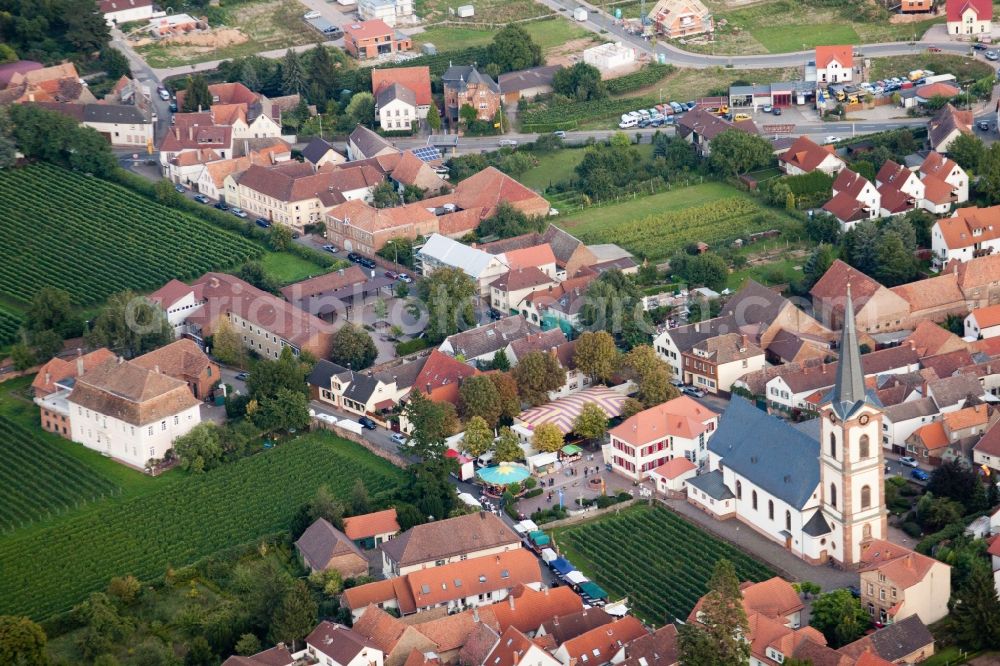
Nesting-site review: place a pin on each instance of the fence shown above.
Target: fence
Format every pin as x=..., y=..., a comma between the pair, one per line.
x=588, y=513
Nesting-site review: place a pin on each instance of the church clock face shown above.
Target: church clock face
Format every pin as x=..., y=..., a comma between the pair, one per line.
x=863, y=420
x=833, y=417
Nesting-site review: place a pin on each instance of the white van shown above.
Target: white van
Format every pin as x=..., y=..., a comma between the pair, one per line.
x=631, y=122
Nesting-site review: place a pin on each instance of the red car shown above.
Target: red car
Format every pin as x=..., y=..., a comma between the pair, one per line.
x=392, y=275
x=934, y=49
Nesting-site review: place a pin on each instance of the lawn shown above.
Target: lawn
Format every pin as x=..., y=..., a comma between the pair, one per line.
x=779, y=26
x=487, y=11
x=686, y=84
x=559, y=166
x=656, y=226
x=285, y=268
x=180, y=523
x=548, y=34
x=265, y=25
x=658, y=560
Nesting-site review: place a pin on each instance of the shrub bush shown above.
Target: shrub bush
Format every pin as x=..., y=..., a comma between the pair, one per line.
x=411, y=346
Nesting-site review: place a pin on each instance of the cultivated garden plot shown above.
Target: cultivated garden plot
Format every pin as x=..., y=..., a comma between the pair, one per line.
x=657, y=559
x=94, y=238
x=179, y=524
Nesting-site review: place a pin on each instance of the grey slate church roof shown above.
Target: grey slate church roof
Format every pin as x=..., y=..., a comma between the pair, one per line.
x=768, y=452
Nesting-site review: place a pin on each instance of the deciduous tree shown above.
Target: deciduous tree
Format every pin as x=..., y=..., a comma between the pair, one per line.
x=513, y=49
x=547, y=438
x=296, y=616
x=722, y=621
x=968, y=151
x=196, y=95
x=478, y=437
x=361, y=502
x=957, y=481
x=478, y=396
x=433, y=422
x=448, y=294
x=538, y=373
x=131, y=325
x=839, y=616
x=51, y=310
x=353, y=348
x=612, y=303
x=592, y=422
x=581, y=82
x=22, y=642
x=247, y=645
x=270, y=377
x=361, y=109
x=510, y=401
x=200, y=449
x=287, y=409
x=651, y=373
x=227, y=345
x=508, y=448
x=735, y=152
x=596, y=356
x=508, y=221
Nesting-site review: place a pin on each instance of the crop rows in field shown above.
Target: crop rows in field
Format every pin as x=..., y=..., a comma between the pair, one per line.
x=660, y=235
x=9, y=324
x=38, y=480
x=656, y=558
x=179, y=524
x=93, y=238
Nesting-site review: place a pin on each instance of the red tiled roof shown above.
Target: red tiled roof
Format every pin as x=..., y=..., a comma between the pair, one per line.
x=990, y=445
x=367, y=29
x=983, y=9
x=602, y=643
x=680, y=417
x=900, y=565
x=527, y=609
x=806, y=154
x=988, y=316
x=938, y=89
x=468, y=578
x=417, y=79
x=370, y=524
x=57, y=369
x=441, y=377
x=536, y=256
x=842, y=54
x=674, y=468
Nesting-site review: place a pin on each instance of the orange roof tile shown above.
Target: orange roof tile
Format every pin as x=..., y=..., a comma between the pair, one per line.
x=680, y=417
x=930, y=293
x=806, y=154
x=932, y=436
x=843, y=54
x=536, y=256
x=527, y=609
x=602, y=643
x=900, y=565
x=370, y=524
x=929, y=339
x=57, y=369
x=774, y=597
x=417, y=79
x=968, y=417
x=441, y=376
x=970, y=225
x=367, y=29
x=452, y=631
x=468, y=578
x=674, y=468
x=988, y=316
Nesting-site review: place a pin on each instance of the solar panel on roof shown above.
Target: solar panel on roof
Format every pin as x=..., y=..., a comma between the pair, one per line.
x=427, y=153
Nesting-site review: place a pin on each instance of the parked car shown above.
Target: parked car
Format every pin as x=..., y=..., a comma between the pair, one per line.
x=767, y=108
x=399, y=438
x=366, y=262
x=676, y=382
x=392, y=275
x=909, y=461
x=507, y=142
x=559, y=133
x=173, y=107
x=263, y=222
x=934, y=49
x=243, y=376
x=403, y=277
x=692, y=391
x=238, y=212
x=983, y=125
x=332, y=249
x=351, y=256
x=220, y=205
x=367, y=423
x=311, y=15
x=832, y=139
x=201, y=198
x=920, y=475
x=776, y=110
x=992, y=55
x=163, y=93
x=180, y=188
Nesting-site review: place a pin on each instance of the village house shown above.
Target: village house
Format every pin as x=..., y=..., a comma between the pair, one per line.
x=336, y=293
x=983, y=322
x=713, y=365
x=363, y=144
x=454, y=584
x=937, y=167
x=485, y=191
x=805, y=156
x=416, y=80
x=933, y=299
x=527, y=83
x=897, y=582
x=366, y=40
x=575, y=379
x=601, y=644
x=658, y=648
x=556, y=306
x=969, y=233
x=442, y=252
x=876, y=308
x=699, y=127
x=854, y=199
x=124, y=125
x=465, y=85
x=900, y=189
x=928, y=443
x=357, y=226
x=369, y=392
x=565, y=627
x=678, y=428
x=478, y=535
x=440, y=378
x=126, y=411
x=834, y=64
x=513, y=648
x=680, y=18
x=986, y=452
x=332, y=644
x=901, y=420
x=946, y=126
x=671, y=477
x=184, y=360
x=319, y=153
x=371, y=530
x=543, y=341
x=60, y=83
x=907, y=641
x=979, y=279
x=971, y=18
x=58, y=373
x=394, y=638
x=125, y=11
x=508, y=290
x=481, y=343
x=393, y=12
x=571, y=255
x=266, y=324
x=322, y=547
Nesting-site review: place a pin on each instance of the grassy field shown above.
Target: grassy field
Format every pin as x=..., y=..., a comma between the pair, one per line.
x=93, y=238
x=657, y=559
x=487, y=11
x=964, y=69
x=778, y=26
x=265, y=25
x=657, y=225
x=687, y=84
x=287, y=268
x=559, y=166
x=186, y=519
x=548, y=34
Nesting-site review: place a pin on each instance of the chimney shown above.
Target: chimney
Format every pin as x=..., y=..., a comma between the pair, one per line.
x=516, y=657
x=48, y=378
x=190, y=132
x=511, y=600
x=475, y=614
x=156, y=368
x=79, y=367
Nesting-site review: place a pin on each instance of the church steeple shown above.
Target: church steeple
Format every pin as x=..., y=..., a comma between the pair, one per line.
x=849, y=391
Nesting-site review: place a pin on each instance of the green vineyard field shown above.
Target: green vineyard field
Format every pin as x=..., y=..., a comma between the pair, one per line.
x=657, y=559
x=93, y=238
x=49, y=569
x=9, y=324
x=38, y=480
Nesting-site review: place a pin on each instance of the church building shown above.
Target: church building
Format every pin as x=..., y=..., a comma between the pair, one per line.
x=821, y=499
